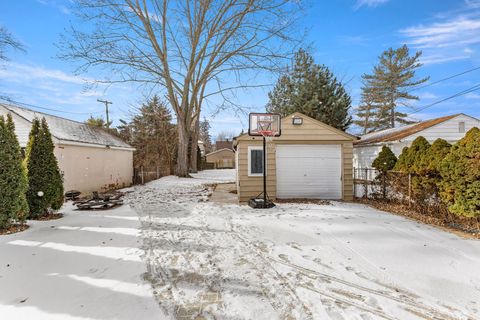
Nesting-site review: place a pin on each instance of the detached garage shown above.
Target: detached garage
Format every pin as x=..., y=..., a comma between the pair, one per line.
x=310, y=160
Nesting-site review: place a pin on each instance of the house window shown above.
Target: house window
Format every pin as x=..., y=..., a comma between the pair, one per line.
x=461, y=126
x=255, y=161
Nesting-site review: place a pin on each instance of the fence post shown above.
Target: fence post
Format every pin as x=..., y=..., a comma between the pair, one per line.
x=409, y=189
x=158, y=173
x=384, y=186
x=354, y=183
x=365, y=181
x=141, y=168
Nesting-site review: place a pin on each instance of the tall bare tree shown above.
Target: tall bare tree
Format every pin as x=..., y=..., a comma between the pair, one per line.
x=7, y=41
x=193, y=49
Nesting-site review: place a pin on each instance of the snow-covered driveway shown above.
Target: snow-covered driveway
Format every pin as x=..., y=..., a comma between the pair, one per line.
x=298, y=261
x=86, y=265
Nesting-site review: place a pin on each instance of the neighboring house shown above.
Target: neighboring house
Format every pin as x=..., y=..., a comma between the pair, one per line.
x=451, y=128
x=90, y=159
x=221, y=159
x=309, y=160
x=224, y=144
x=201, y=146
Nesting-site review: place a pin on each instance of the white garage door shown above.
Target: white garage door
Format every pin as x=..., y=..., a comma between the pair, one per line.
x=309, y=171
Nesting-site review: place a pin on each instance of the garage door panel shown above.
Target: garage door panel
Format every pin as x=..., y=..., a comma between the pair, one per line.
x=309, y=171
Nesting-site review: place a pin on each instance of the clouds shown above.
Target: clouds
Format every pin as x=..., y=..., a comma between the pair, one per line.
x=369, y=3
x=449, y=37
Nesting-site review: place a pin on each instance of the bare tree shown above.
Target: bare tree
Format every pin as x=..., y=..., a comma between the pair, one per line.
x=226, y=135
x=7, y=41
x=192, y=49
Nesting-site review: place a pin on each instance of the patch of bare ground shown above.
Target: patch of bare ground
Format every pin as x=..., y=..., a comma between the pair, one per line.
x=14, y=229
x=50, y=216
x=312, y=201
x=463, y=227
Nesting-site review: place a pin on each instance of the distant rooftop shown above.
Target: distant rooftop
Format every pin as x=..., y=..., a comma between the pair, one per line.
x=398, y=133
x=69, y=130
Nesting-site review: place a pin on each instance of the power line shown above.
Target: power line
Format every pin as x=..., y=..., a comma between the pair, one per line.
x=47, y=109
x=458, y=94
x=445, y=79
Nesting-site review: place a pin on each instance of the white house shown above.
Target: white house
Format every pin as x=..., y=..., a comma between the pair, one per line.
x=450, y=128
x=89, y=158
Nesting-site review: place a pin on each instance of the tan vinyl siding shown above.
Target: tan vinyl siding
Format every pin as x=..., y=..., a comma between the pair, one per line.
x=222, y=159
x=310, y=132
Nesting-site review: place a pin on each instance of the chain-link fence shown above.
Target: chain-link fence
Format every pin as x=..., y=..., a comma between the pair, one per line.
x=142, y=175
x=415, y=193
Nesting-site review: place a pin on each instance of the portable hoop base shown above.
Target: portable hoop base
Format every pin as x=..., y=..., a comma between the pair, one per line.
x=259, y=203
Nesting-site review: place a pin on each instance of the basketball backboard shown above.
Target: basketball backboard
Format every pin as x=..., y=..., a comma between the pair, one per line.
x=264, y=124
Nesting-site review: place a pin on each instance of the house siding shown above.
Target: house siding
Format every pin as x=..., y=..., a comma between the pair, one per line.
x=364, y=155
x=310, y=132
x=218, y=158
x=90, y=169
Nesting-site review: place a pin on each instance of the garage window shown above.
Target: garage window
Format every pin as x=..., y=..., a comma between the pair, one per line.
x=255, y=161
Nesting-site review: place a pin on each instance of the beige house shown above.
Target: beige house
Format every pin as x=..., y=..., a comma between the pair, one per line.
x=310, y=160
x=222, y=159
x=90, y=159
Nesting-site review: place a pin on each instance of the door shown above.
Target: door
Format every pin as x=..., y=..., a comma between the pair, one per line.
x=309, y=171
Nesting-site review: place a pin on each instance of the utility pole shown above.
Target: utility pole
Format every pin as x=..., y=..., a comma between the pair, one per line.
x=106, y=109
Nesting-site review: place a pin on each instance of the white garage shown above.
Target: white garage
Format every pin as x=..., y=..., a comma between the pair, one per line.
x=309, y=171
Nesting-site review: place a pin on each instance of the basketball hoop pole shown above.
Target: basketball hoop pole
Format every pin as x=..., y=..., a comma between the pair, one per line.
x=264, y=172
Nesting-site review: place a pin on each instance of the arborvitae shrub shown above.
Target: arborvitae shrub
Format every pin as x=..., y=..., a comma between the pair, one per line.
x=385, y=161
x=460, y=171
x=44, y=179
x=13, y=180
x=409, y=160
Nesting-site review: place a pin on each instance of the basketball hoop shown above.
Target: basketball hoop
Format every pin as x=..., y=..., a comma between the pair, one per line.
x=266, y=125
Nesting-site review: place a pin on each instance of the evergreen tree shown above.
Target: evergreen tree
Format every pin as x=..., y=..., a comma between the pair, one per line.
x=98, y=122
x=13, y=180
x=409, y=160
x=54, y=191
x=385, y=161
x=205, y=135
x=389, y=85
x=313, y=90
x=460, y=170
x=154, y=136
x=45, y=187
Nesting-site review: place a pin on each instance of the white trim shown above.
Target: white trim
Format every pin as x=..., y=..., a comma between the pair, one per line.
x=91, y=145
x=250, y=148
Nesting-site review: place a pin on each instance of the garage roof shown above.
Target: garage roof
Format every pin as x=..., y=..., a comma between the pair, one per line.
x=67, y=130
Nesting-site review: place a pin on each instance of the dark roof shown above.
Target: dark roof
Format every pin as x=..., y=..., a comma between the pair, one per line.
x=228, y=144
x=394, y=134
x=69, y=130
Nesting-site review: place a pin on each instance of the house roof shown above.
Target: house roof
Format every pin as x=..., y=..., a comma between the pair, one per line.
x=67, y=130
x=394, y=134
x=224, y=144
x=220, y=150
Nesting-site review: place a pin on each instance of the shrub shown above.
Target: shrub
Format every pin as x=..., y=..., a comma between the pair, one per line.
x=409, y=160
x=13, y=180
x=460, y=171
x=385, y=161
x=44, y=179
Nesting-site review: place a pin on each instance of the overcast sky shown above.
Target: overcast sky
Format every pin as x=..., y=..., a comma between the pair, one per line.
x=346, y=35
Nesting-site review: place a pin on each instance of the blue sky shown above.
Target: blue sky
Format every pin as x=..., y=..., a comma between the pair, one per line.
x=345, y=35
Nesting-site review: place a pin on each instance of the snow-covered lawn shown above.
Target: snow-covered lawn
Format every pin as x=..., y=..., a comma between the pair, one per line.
x=214, y=260
x=86, y=265
x=298, y=261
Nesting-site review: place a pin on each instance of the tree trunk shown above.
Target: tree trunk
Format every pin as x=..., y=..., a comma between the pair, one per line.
x=194, y=147
x=182, y=153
